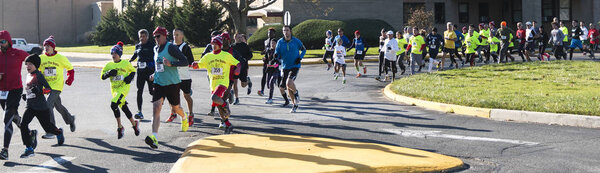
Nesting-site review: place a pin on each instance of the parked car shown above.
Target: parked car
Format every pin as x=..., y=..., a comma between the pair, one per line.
x=20, y=43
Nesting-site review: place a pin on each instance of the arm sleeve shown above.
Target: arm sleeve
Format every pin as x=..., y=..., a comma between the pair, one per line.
x=181, y=59
x=135, y=54
x=302, y=48
x=351, y=45
x=187, y=51
x=207, y=49
x=43, y=81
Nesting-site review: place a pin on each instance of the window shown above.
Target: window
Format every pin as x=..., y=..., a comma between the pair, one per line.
x=463, y=13
x=408, y=7
x=440, y=13
x=484, y=14
x=548, y=10
x=22, y=42
x=252, y=22
x=517, y=11
x=565, y=10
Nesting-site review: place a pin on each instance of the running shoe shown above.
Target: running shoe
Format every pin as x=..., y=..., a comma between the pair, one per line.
x=404, y=71
x=191, y=120
x=358, y=75
x=139, y=116
x=28, y=153
x=270, y=101
x=249, y=86
x=328, y=67
x=4, y=154
x=136, y=128
x=61, y=137
x=171, y=118
x=335, y=76
x=33, y=139
x=261, y=93
x=297, y=96
x=285, y=104
x=48, y=136
x=229, y=129
x=120, y=132
x=364, y=70
x=151, y=141
x=184, y=124
x=237, y=101
x=222, y=125
x=72, y=125
x=294, y=109
x=344, y=81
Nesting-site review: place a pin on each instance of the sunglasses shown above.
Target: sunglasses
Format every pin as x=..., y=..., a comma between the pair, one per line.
x=3, y=41
x=157, y=36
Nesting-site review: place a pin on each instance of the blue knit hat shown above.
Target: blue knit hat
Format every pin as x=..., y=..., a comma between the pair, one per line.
x=118, y=49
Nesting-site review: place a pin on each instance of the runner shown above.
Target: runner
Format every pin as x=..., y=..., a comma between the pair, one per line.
x=287, y=51
x=530, y=36
x=542, y=40
x=245, y=56
x=521, y=34
x=407, y=36
x=465, y=30
x=121, y=74
x=273, y=74
x=167, y=58
x=184, y=75
x=435, y=41
x=460, y=38
x=494, y=42
x=565, y=32
x=576, y=40
x=416, y=47
x=391, y=47
x=11, y=86
x=584, y=37
x=505, y=35
x=484, y=35
x=268, y=47
x=52, y=66
x=340, y=62
x=449, y=46
x=207, y=50
x=218, y=64
x=144, y=50
x=227, y=48
x=328, y=48
x=381, y=53
x=556, y=39
x=400, y=53
x=594, y=37
x=361, y=50
x=36, y=107
x=471, y=43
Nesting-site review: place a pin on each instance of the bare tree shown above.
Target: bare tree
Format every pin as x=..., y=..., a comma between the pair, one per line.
x=421, y=18
x=238, y=11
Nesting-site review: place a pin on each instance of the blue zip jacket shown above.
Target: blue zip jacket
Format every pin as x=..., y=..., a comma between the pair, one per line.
x=459, y=39
x=345, y=40
x=288, y=51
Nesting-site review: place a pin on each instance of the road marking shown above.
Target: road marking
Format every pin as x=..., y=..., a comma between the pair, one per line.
x=438, y=134
x=51, y=164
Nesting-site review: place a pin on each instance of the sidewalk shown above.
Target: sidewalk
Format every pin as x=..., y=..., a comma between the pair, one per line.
x=287, y=153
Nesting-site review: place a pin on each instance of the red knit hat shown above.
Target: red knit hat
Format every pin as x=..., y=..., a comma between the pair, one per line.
x=50, y=41
x=225, y=36
x=217, y=40
x=160, y=31
x=357, y=32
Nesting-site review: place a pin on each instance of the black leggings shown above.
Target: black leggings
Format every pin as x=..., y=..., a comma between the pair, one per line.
x=390, y=64
x=143, y=77
x=43, y=117
x=381, y=62
x=274, y=81
x=559, y=51
x=400, y=60
x=263, y=80
x=10, y=107
x=115, y=108
x=328, y=54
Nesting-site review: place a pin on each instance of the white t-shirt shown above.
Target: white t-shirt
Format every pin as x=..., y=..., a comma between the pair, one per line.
x=585, y=33
x=184, y=71
x=390, y=47
x=328, y=44
x=339, y=54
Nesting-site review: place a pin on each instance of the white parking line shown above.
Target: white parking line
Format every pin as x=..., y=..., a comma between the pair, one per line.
x=438, y=134
x=51, y=164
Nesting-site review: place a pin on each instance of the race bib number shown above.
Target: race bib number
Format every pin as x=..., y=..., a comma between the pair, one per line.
x=141, y=65
x=339, y=55
x=30, y=94
x=118, y=78
x=503, y=37
x=50, y=71
x=3, y=95
x=414, y=44
x=216, y=71
x=160, y=67
x=359, y=52
x=469, y=44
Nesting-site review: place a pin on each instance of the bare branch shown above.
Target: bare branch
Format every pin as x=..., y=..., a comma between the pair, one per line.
x=262, y=6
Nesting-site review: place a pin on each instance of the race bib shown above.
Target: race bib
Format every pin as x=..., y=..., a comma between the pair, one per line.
x=50, y=71
x=160, y=67
x=540, y=43
x=216, y=71
x=141, y=65
x=414, y=44
x=503, y=37
x=359, y=52
x=30, y=94
x=339, y=55
x=3, y=95
x=118, y=78
x=469, y=44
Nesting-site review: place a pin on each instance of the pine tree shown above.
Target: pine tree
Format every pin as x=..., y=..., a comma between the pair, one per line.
x=138, y=15
x=165, y=17
x=108, y=31
x=198, y=20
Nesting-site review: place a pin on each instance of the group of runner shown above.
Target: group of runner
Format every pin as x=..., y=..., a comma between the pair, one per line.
x=482, y=43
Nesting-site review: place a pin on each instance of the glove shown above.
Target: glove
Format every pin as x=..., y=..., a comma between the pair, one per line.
x=298, y=60
x=70, y=77
x=129, y=78
x=46, y=91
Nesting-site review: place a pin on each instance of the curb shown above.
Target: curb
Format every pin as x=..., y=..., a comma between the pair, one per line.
x=291, y=153
x=500, y=114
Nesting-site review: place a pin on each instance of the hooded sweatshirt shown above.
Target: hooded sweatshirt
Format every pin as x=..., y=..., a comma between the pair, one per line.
x=11, y=63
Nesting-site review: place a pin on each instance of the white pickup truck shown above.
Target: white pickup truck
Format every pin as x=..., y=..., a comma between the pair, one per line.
x=20, y=43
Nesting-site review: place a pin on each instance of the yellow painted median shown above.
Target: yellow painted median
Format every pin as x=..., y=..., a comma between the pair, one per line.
x=287, y=153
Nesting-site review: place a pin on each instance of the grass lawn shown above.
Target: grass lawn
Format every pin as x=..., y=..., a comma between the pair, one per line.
x=557, y=86
x=197, y=52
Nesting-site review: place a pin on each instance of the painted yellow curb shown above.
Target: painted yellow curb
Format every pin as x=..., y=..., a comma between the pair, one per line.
x=266, y=153
x=448, y=108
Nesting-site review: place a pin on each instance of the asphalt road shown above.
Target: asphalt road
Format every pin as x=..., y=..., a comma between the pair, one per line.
x=355, y=111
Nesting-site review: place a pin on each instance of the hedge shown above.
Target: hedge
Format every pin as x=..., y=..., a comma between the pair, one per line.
x=257, y=40
x=312, y=32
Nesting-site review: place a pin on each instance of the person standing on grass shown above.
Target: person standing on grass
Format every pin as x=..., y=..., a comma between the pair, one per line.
x=184, y=75
x=361, y=50
x=121, y=74
x=269, y=47
x=328, y=48
x=11, y=86
x=400, y=53
x=290, y=52
x=416, y=47
x=144, y=52
x=556, y=40
x=52, y=66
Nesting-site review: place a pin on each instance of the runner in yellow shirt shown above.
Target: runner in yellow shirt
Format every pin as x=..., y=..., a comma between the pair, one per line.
x=471, y=42
x=218, y=65
x=400, y=54
x=416, y=45
x=52, y=66
x=450, y=39
x=121, y=74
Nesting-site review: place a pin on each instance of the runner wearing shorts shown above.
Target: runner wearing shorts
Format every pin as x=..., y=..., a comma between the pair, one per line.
x=288, y=52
